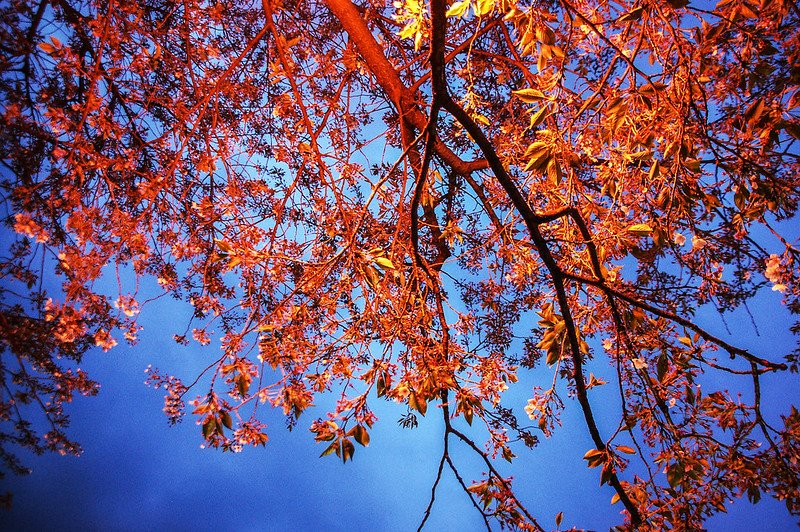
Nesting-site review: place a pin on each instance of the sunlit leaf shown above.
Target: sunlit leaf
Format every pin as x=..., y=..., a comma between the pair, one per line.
x=361, y=435
x=484, y=7
x=458, y=9
x=545, y=35
x=384, y=263
x=595, y=457
x=530, y=95
x=330, y=449
x=539, y=116
x=640, y=229
x=348, y=450
x=418, y=403
x=47, y=47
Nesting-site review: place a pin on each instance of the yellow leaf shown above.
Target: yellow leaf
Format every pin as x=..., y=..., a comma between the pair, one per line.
x=484, y=7
x=222, y=245
x=539, y=160
x=671, y=149
x=458, y=9
x=508, y=455
x=693, y=165
x=747, y=12
x=652, y=88
x=330, y=449
x=654, y=170
x=530, y=95
x=625, y=449
x=537, y=148
x=554, y=174
x=384, y=263
x=468, y=413
x=541, y=64
x=417, y=403
x=545, y=35
x=640, y=229
x=539, y=116
x=408, y=30
x=372, y=276
x=616, y=112
x=641, y=155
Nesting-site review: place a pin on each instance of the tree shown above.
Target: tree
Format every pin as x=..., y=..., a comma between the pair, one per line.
x=417, y=202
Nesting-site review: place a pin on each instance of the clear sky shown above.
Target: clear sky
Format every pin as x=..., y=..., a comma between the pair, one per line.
x=137, y=473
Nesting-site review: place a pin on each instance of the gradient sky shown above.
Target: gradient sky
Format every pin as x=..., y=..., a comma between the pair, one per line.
x=137, y=473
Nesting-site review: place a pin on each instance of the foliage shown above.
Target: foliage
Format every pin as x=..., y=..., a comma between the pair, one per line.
x=376, y=201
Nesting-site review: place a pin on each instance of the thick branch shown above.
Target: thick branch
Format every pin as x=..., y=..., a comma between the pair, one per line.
x=389, y=80
x=533, y=222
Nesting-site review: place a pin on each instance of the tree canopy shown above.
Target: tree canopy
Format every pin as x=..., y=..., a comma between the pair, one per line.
x=418, y=202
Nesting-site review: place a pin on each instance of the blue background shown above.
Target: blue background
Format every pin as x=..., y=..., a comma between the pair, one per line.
x=137, y=473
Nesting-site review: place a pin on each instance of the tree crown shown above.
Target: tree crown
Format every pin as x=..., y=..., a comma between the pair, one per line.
x=416, y=202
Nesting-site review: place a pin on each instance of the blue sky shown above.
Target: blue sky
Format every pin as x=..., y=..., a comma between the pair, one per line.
x=137, y=473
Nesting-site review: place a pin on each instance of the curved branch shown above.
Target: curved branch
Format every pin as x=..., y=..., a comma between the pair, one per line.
x=387, y=77
x=731, y=349
x=445, y=457
x=461, y=436
x=533, y=221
